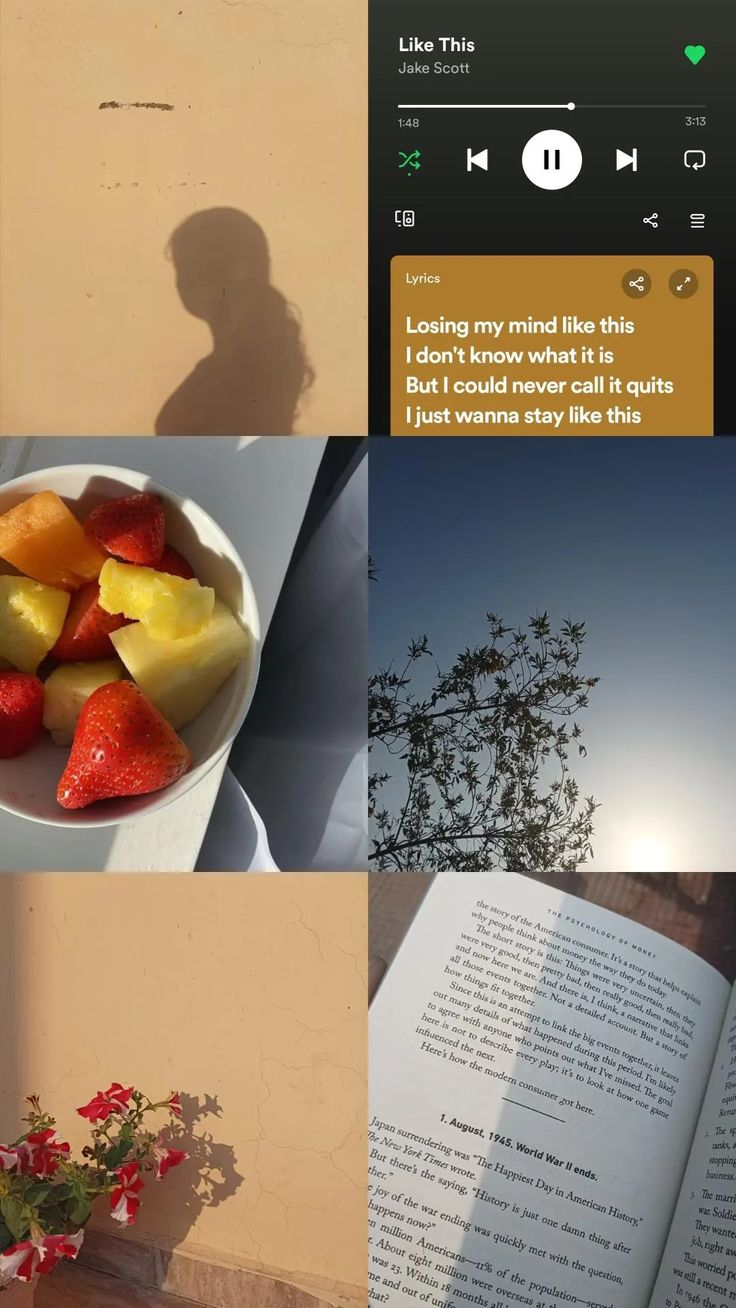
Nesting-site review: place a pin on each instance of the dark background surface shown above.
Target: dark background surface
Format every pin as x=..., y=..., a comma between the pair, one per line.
x=615, y=52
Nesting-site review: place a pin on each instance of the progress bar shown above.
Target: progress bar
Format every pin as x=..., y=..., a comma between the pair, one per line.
x=486, y=106
x=689, y=107
x=570, y=106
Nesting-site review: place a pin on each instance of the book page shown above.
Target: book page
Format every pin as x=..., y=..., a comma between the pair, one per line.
x=538, y=1066
x=699, y=1263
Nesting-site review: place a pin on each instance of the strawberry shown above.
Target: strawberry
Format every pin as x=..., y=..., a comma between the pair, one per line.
x=132, y=528
x=174, y=563
x=86, y=631
x=21, y=712
x=122, y=746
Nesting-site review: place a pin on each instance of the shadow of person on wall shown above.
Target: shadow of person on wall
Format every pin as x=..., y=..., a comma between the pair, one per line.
x=251, y=383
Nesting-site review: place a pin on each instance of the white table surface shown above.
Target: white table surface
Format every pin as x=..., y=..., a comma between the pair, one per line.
x=257, y=489
x=303, y=762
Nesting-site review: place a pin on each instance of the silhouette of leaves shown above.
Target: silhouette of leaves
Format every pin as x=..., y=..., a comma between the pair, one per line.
x=474, y=772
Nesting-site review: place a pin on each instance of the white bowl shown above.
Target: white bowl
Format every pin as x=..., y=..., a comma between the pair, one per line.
x=28, y=784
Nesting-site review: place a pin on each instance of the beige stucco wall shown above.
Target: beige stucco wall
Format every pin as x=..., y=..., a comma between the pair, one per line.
x=268, y=117
x=248, y=990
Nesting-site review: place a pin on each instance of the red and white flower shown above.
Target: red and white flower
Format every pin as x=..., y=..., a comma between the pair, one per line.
x=166, y=1158
x=106, y=1102
x=173, y=1103
x=41, y=1152
x=124, y=1201
x=8, y=1158
x=37, y=1257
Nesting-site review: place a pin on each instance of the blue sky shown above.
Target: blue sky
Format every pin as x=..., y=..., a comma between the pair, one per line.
x=636, y=538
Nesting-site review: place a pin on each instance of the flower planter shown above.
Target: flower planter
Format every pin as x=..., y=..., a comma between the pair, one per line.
x=64, y=1207
x=18, y=1295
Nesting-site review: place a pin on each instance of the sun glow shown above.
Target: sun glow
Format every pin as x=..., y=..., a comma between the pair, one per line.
x=648, y=856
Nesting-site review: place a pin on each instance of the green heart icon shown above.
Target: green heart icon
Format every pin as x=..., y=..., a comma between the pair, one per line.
x=694, y=53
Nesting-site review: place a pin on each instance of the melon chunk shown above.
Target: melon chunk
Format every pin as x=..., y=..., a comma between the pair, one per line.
x=43, y=539
x=169, y=607
x=181, y=676
x=31, y=617
x=67, y=690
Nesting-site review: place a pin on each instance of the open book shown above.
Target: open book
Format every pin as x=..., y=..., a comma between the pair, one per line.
x=553, y=1109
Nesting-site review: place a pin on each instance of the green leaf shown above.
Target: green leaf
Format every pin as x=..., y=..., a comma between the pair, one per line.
x=15, y=1217
x=80, y=1212
x=35, y=1194
x=116, y=1155
x=6, y=1238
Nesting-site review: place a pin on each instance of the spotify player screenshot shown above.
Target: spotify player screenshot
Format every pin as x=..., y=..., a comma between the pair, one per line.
x=552, y=218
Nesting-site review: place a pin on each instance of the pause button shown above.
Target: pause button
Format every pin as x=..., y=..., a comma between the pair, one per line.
x=552, y=160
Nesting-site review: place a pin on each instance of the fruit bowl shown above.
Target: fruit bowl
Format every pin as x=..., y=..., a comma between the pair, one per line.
x=28, y=783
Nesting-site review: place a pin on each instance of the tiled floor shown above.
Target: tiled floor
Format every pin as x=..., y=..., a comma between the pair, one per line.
x=394, y=898
x=77, y=1287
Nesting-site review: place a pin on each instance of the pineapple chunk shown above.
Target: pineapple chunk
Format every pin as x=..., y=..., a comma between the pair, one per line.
x=42, y=538
x=169, y=607
x=180, y=677
x=31, y=618
x=67, y=690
